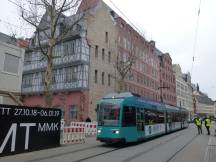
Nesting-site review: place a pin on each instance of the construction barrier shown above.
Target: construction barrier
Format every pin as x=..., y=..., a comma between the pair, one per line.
x=90, y=127
x=73, y=135
x=78, y=124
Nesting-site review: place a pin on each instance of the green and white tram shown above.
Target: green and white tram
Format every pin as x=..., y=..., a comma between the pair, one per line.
x=126, y=117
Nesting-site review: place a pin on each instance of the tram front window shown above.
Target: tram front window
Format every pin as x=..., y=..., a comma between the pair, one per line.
x=108, y=115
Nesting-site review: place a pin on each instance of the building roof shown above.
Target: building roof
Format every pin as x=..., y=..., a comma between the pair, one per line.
x=87, y=4
x=45, y=21
x=7, y=39
x=158, y=52
x=203, y=99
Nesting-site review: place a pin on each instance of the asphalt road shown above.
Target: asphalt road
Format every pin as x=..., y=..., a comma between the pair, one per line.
x=181, y=146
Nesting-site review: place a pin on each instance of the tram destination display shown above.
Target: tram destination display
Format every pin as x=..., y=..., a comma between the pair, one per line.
x=24, y=129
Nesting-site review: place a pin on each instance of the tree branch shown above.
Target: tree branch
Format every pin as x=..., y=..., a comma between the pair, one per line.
x=39, y=43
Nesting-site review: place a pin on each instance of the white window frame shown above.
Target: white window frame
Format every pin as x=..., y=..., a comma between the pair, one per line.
x=11, y=73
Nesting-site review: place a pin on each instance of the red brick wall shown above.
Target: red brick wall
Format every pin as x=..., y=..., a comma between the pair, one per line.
x=167, y=79
x=146, y=69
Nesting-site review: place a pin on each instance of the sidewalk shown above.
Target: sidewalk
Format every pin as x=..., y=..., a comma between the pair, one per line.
x=201, y=149
x=210, y=154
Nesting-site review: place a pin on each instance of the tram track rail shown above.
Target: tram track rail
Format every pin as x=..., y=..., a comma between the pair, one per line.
x=151, y=149
x=132, y=157
x=160, y=144
x=63, y=153
x=93, y=156
x=182, y=148
x=113, y=150
x=77, y=151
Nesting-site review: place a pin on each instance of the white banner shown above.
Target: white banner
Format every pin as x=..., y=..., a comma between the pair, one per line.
x=154, y=129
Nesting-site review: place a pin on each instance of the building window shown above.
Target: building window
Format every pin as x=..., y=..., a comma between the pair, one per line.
x=96, y=51
x=73, y=112
x=109, y=79
x=102, y=81
x=103, y=54
x=11, y=63
x=69, y=75
x=96, y=77
x=109, y=56
x=106, y=37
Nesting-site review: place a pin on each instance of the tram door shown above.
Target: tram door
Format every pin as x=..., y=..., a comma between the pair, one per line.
x=140, y=123
x=168, y=122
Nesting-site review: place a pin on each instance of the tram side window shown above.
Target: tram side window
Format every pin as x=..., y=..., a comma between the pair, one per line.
x=129, y=117
x=161, y=117
x=150, y=117
x=185, y=116
x=176, y=117
x=169, y=117
x=153, y=117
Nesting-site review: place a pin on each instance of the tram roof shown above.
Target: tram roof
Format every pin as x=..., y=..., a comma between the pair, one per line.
x=171, y=108
x=115, y=95
x=128, y=96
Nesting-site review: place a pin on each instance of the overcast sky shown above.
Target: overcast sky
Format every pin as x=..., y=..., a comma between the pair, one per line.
x=170, y=23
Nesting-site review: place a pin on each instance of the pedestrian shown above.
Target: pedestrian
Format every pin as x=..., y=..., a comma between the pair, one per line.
x=198, y=123
x=88, y=120
x=208, y=124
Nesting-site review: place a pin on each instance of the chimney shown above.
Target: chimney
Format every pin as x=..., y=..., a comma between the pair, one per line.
x=152, y=43
x=22, y=43
x=112, y=13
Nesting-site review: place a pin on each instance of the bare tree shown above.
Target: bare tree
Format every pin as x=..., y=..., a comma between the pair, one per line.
x=124, y=63
x=52, y=26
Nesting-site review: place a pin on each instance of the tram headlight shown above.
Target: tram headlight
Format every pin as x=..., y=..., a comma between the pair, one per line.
x=99, y=131
x=116, y=131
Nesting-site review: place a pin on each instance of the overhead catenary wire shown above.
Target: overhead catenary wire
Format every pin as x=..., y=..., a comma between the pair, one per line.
x=132, y=24
x=195, y=38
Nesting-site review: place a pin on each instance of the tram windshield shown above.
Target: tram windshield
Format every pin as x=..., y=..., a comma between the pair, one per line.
x=108, y=114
